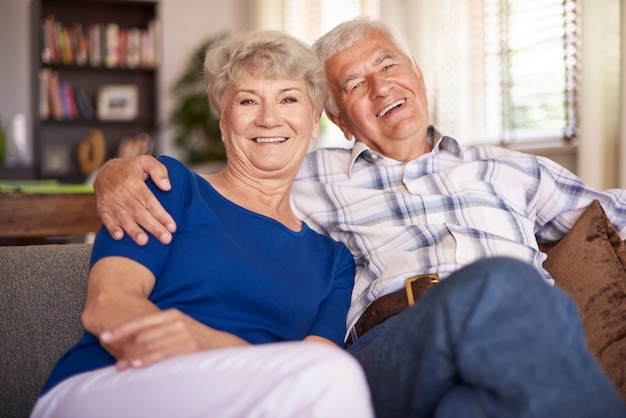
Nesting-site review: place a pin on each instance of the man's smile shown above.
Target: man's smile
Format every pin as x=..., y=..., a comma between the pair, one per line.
x=390, y=107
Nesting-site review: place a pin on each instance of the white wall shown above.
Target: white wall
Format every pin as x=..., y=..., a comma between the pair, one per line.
x=185, y=25
x=15, y=89
x=598, y=156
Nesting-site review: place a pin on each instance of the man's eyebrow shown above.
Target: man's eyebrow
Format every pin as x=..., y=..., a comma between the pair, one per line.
x=377, y=62
x=383, y=58
x=347, y=81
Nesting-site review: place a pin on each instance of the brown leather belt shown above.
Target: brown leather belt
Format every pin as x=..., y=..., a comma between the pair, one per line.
x=391, y=304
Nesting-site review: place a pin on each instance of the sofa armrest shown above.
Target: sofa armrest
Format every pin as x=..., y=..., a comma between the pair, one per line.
x=42, y=294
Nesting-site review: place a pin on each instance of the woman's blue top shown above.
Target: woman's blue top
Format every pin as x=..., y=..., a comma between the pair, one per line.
x=231, y=269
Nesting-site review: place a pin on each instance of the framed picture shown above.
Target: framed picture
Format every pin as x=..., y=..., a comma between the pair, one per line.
x=118, y=102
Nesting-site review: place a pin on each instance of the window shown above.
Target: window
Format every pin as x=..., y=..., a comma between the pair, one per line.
x=507, y=70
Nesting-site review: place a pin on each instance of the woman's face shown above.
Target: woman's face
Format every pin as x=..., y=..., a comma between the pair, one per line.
x=267, y=125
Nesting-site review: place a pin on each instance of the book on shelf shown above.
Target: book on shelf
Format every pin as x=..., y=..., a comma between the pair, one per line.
x=112, y=33
x=44, y=98
x=133, y=48
x=95, y=55
x=85, y=108
x=81, y=41
x=62, y=100
x=54, y=92
x=69, y=103
x=100, y=44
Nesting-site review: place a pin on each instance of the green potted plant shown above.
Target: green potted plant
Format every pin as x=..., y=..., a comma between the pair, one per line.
x=196, y=130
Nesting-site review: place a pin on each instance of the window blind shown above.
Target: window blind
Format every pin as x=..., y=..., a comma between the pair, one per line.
x=507, y=70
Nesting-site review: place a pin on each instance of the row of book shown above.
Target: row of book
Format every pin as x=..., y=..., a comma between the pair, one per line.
x=99, y=44
x=61, y=100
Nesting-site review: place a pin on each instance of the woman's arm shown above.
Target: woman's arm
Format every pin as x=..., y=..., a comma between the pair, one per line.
x=117, y=292
x=134, y=330
x=124, y=201
x=317, y=338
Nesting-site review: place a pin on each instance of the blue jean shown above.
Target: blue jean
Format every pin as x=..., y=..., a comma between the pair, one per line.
x=493, y=339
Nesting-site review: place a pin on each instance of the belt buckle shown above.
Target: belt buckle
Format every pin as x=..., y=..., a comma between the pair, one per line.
x=429, y=279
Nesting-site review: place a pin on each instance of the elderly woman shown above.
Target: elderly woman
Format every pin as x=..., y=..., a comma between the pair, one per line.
x=243, y=312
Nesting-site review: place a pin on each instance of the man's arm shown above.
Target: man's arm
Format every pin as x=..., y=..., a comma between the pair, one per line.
x=124, y=201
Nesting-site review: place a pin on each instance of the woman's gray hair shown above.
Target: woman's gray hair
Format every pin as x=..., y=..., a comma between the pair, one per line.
x=268, y=53
x=347, y=33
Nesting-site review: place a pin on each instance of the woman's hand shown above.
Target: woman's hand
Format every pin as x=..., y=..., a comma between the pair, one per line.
x=158, y=336
x=124, y=202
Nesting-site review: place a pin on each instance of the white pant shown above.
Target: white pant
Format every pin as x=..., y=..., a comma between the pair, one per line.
x=291, y=379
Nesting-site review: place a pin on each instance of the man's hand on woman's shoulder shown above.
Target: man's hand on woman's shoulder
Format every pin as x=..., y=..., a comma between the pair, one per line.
x=125, y=203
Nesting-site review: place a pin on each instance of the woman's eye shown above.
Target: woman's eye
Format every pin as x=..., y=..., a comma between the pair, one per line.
x=246, y=101
x=388, y=66
x=290, y=100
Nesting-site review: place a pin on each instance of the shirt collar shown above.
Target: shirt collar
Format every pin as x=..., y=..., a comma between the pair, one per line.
x=441, y=144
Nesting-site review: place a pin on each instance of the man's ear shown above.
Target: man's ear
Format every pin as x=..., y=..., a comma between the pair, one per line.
x=336, y=119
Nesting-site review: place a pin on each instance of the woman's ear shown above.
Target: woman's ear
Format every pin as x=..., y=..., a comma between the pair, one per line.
x=336, y=119
x=316, y=129
x=221, y=129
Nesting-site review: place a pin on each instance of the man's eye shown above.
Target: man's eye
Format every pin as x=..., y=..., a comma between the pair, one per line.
x=357, y=85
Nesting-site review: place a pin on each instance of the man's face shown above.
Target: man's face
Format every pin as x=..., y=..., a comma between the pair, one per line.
x=381, y=97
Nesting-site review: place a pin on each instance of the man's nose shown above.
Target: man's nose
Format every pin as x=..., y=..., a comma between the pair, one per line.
x=380, y=86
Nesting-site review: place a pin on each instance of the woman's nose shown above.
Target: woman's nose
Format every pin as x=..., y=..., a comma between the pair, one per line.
x=268, y=115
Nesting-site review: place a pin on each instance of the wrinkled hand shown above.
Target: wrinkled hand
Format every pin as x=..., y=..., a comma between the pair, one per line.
x=124, y=201
x=162, y=335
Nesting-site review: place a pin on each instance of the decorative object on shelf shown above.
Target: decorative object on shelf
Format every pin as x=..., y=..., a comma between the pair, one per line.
x=133, y=146
x=118, y=102
x=196, y=130
x=18, y=148
x=91, y=152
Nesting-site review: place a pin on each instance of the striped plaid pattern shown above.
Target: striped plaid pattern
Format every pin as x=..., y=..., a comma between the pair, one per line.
x=441, y=211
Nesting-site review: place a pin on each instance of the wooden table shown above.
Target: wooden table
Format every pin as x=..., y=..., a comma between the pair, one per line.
x=31, y=217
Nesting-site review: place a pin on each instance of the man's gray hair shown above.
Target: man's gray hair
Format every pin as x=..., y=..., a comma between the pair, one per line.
x=347, y=33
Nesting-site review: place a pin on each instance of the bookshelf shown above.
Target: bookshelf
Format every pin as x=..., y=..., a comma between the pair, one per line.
x=94, y=76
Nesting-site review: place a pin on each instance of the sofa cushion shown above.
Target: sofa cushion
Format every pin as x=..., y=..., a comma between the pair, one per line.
x=590, y=265
x=42, y=294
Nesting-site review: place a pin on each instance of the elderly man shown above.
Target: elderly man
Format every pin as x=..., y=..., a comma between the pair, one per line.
x=414, y=207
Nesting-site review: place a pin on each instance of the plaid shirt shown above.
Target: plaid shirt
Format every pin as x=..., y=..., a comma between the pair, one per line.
x=441, y=211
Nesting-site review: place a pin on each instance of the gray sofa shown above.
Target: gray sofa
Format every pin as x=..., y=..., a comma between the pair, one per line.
x=43, y=288
x=42, y=293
